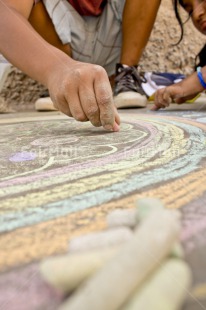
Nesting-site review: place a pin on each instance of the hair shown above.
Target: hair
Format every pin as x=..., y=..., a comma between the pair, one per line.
x=176, y=4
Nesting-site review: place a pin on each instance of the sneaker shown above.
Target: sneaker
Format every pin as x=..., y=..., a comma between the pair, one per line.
x=128, y=91
x=5, y=69
x=44, y=103
x=158, y=80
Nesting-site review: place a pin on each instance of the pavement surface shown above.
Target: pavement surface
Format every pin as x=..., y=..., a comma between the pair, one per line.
x=60, y=178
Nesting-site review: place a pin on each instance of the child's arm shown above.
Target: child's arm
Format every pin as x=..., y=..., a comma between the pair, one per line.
x=78, y=89
x=180, y=92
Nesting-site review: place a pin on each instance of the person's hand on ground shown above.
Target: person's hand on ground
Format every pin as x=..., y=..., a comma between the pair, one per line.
x=177, y=93
x=83, y=91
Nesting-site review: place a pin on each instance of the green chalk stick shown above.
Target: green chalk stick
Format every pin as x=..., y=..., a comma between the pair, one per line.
x=146, y=205
x=177, y=251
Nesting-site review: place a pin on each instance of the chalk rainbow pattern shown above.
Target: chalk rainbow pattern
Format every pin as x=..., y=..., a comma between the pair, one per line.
x=61, y=178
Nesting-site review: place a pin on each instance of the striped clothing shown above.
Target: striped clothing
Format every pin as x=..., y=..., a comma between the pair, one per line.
x=93, y=39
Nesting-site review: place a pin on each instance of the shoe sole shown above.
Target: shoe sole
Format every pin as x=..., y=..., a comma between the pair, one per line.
x=45, y=104
x=5, y=69
x=130, y=100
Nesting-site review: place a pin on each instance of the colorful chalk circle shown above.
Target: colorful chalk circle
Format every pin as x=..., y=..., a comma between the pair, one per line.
x=62, y=178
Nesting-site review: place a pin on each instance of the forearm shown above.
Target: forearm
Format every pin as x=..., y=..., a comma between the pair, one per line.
x=138, y=18
x=77, y=89
x=25, y=49
x=190, y=86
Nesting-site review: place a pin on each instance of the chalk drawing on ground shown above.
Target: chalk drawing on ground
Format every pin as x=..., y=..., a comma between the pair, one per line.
x=79, y=173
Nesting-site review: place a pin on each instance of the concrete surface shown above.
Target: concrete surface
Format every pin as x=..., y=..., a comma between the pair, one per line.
x=60, y=178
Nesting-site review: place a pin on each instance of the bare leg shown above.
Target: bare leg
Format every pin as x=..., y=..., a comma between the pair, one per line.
x=138, y=20
x=42, y=23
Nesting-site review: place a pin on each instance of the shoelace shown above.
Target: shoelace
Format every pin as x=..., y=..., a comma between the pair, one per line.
x=128, y=76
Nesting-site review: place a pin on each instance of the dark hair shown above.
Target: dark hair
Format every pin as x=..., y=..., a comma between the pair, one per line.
x=176, y=3
x=200, y=59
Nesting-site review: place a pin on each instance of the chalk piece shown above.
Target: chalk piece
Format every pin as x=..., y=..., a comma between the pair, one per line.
x=177, y=251
x=146, y=205
x=99, y=240
x=22, y=156
x=122, y=217
x=110, y=287
x=66, y=272
x=165, y=290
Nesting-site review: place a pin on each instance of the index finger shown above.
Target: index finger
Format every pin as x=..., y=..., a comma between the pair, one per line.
x=157, y=101
x=162, y=98
x=105, y=102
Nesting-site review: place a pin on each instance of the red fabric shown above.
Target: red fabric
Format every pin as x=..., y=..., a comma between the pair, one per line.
x=88, y=7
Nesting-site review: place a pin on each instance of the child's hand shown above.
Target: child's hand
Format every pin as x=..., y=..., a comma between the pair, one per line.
x=177, y=93
x=83, y=91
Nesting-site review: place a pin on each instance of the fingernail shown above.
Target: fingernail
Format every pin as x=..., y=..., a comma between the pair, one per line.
x=116, y=127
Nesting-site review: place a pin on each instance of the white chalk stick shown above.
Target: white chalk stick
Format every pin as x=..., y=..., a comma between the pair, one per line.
x=66, y=272
x=122, y=217
x=101, y=239
x=147, y=205
x=165, y=290
x=110, y=287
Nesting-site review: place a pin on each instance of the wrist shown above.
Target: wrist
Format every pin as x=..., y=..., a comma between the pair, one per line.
x=204, y=73
x=201, y=75
x=60, y=62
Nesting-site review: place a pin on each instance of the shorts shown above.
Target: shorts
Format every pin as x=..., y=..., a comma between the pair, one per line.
x=95, y=40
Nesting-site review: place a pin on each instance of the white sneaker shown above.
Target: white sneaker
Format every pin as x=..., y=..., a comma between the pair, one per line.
x=128, y=92
x=5, y=68
x=44, y=103
x=130, y=99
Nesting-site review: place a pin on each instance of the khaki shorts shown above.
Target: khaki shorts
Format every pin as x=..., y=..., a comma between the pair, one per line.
x=94, y=40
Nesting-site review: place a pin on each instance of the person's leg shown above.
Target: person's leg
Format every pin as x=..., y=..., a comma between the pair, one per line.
x=42, y=23
x=138, y=20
